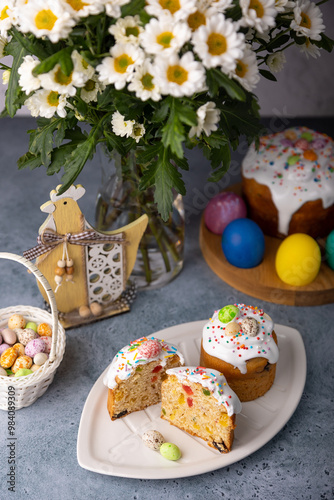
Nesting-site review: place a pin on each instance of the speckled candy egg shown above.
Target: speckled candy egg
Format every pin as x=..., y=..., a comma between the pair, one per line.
x=3, y=347
x=153, y=439
x=8, y=357
x=16, y=321
x=21, y=362
x=222, y=209
x=19, y=348
x=250, y=326
x=44, y=330
x=9, y=336
x=26, y=336
x=34, y=347
x=3, y=372
x=1, y=339
x=47, y=341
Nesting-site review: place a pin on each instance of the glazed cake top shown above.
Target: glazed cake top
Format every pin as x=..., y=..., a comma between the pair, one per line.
x=214, y=384
x=138, y=352
x=238, y=333
x=297, y=165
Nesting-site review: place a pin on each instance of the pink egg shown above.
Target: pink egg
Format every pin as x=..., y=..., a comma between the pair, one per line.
x=3, y=347
x=222, y=209
x=47, y=342
x=34, y=347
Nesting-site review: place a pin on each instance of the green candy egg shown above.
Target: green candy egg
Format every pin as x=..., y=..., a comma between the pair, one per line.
x=32, y=326
x=292, y=160
x=226, y=314
x=307, y=135
x=170, y=451
x=22, y=372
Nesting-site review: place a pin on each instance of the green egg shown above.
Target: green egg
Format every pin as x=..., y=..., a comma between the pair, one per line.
x=32, y=326
x=170, y=451
x=292, y=160
x=226, y=314
x=22, y=372
x=307, y=135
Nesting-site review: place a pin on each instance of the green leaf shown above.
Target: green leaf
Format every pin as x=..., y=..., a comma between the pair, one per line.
x=18, y=52
x=277, y=42
x=221, y=156
x=325, y=43
x=148, y=178
x=133, y=8
x=268, y=75
x=149, y=153
x=160, y=114
x=105, y=98
x=232, y=88
x=62, y=57
x=173, y=132
x=29, y=160
x=41, y=139
x=30, y=44
x=115, y=142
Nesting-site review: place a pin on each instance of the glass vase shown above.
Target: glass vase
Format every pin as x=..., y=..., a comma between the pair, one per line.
x=120, y=202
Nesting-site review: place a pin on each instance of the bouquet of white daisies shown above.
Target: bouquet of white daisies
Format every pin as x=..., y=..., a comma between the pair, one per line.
x=146, y=75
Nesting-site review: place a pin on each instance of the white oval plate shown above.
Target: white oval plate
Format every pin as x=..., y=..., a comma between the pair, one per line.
x=115, y=448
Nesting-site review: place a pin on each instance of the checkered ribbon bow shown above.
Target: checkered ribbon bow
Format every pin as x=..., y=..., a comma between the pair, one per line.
x=49, y=240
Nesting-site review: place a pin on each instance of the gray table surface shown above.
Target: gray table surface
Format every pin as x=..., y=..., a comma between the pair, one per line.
x=296, y=464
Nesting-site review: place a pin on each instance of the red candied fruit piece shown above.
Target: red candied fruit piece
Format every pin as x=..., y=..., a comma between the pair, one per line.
x=154, y=379
x=190, y=402
x=187, y=389
x=157, y=369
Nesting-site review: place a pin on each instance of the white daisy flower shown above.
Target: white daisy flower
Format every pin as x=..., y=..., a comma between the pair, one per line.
x=45, y=18
x=120, y=126
x=138, y=131
x=46, y=103
x=127, y=30
x=207, y=119
x=164, y=36
x=276, y=61
x=221, y=5
x=118, y=69
x=6, y=16
x=143, y=83
x=27, y=81
x=179, y=76
x=3, y=43
x=91, y=89
x=59, y=82
x=82, y=71
x=307, y=20
x=6, y=76
x=264, y=35
x=113, y=8
x=284, y=5
x=309, y=49
x=259, y=14
x=180, y=9
x=218, y=43
x=200, y=16
x=247, y=71
x=79, y=8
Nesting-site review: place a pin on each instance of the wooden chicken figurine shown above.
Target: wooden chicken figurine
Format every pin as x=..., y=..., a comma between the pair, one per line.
x=87, y=269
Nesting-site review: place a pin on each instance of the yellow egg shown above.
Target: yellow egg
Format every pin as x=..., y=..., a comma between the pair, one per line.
x=298, y=260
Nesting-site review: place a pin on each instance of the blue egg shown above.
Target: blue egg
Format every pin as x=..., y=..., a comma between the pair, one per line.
x=330, y=250
x=243, y=243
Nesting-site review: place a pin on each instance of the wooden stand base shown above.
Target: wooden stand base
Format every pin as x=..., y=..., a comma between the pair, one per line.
x=262, y=281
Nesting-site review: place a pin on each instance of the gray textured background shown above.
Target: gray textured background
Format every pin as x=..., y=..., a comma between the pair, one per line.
x=304, y=88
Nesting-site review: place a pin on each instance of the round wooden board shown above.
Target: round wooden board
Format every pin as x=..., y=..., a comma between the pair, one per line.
x=262, y=281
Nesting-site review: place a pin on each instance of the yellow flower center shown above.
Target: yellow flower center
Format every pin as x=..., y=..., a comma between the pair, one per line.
x=196, y=20
x=84, y=63
x=147, y=81
x=4, y=14
x=241, y=69
x=217, y=44
x=257, y=6
x=61, y=78
x=53, y=98
x=76, y=4
x=305, y=21
x=177, y=74
x=137, y=131
x=89, y=86
x=45, y=20
x=132, y=30
x=122, y=63
x=165, y=38
x=171, y=5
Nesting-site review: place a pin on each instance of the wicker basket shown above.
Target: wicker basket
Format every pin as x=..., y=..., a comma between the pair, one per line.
x=31, y=387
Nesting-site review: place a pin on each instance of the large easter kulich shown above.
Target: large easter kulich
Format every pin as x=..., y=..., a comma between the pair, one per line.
x=240, y=342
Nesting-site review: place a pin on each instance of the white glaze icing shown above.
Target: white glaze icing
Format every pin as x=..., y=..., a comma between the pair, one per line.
x=238, y=349
x=127, y=359
x=212, y=380
x=292, y=185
